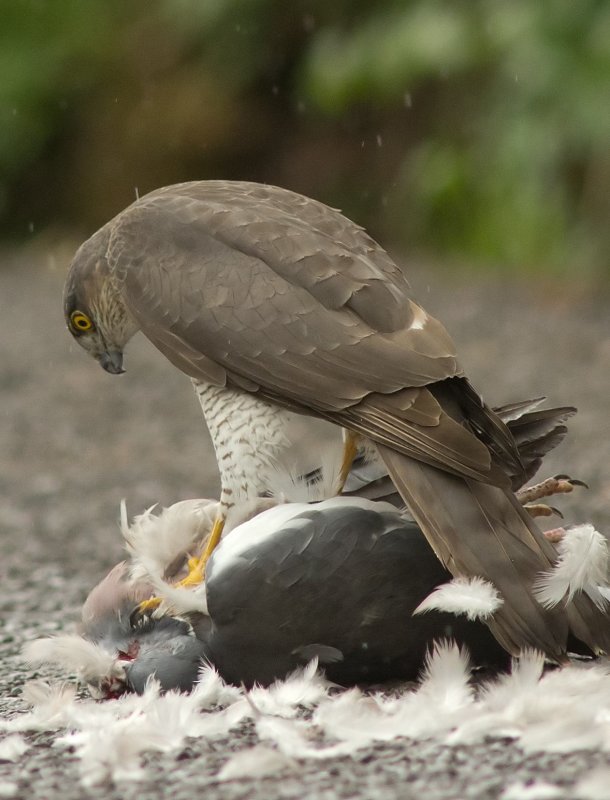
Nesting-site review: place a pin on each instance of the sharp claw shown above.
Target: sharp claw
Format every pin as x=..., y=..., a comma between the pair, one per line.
x=541, y=510
x=570, y=480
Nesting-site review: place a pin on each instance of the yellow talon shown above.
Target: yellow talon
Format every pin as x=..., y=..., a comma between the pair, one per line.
x=196, y=574
x=197, y=564
x=350, y=451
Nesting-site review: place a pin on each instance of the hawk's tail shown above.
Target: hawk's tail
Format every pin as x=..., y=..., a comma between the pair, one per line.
x=536, y=432
x=478, y=529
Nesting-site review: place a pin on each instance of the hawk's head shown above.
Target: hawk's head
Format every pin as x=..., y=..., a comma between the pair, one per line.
x=94, y=309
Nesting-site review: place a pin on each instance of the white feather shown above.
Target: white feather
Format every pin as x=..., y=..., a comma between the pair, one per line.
x=256, y=762
x=445, y=680
x=212, y=691
x=556, y=711
x=442, y=700
x=474, y=597
x=304, y=687
x=111, y=752
x=180, y=599
x=91, y=662
x=50, y=707
x=539, y=790
x=593, y=786
x=13, y=747
x=295, y=738
x=156, y=540
x=582, y=566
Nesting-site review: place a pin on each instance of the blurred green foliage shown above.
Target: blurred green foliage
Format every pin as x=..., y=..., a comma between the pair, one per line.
x=474, y=129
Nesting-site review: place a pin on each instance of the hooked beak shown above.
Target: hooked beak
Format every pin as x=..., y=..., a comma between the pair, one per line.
x=112, y=362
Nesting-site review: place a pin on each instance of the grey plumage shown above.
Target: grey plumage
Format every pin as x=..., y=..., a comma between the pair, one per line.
x=339, y=580
x=270, y=585
x=265, y=291
x=165, y=649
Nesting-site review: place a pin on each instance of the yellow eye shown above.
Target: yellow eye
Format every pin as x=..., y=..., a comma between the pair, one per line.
x=80, y=322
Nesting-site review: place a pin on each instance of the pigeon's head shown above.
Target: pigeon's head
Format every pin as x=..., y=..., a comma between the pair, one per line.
x=95, y=313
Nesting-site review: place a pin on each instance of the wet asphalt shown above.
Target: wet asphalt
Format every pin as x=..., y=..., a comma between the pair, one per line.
x=74, y=441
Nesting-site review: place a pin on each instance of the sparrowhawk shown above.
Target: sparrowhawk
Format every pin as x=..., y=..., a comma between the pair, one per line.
x=276, y=304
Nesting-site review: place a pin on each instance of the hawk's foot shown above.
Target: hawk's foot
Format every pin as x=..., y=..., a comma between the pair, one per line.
x=350, y=451
x=195, y=577
x=197, y=564
x=542, y=510
x=560, y=484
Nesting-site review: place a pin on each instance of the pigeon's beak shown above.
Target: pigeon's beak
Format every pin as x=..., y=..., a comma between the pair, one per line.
x=112, y=362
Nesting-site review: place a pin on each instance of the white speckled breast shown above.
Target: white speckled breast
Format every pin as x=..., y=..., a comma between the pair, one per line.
x=248, y=434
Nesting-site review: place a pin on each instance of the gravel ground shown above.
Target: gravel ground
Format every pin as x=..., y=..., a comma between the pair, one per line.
x=75, y=441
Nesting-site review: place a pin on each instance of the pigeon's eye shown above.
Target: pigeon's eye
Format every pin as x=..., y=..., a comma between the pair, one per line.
x=80, y=322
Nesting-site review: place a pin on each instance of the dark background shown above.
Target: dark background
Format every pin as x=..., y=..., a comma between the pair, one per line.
x=474, y=132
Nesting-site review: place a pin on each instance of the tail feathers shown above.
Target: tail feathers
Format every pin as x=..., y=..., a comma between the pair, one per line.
x=478, y=529
x=536, y=434
x=513, y=411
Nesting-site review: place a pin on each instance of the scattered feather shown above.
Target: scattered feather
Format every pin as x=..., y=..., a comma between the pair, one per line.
x=304, y=687
x=92, y=663
x=212, y=691
x=474, y=597
x=111, y=753
x=593, y=786
x=582, y=566
x=446, y=676
x=50, y=707
x=294, y=738
x=256, y=762
x=539, y=790
x=559, y=710
x=13, y=747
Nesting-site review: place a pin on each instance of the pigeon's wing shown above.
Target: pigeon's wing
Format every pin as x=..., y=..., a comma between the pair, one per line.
x=286, y=297
x=271, y=583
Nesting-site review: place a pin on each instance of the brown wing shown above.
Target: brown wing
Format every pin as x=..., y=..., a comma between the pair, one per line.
x=280, y=294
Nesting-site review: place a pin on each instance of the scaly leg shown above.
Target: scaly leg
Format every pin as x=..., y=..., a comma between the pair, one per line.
x=560, y=484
